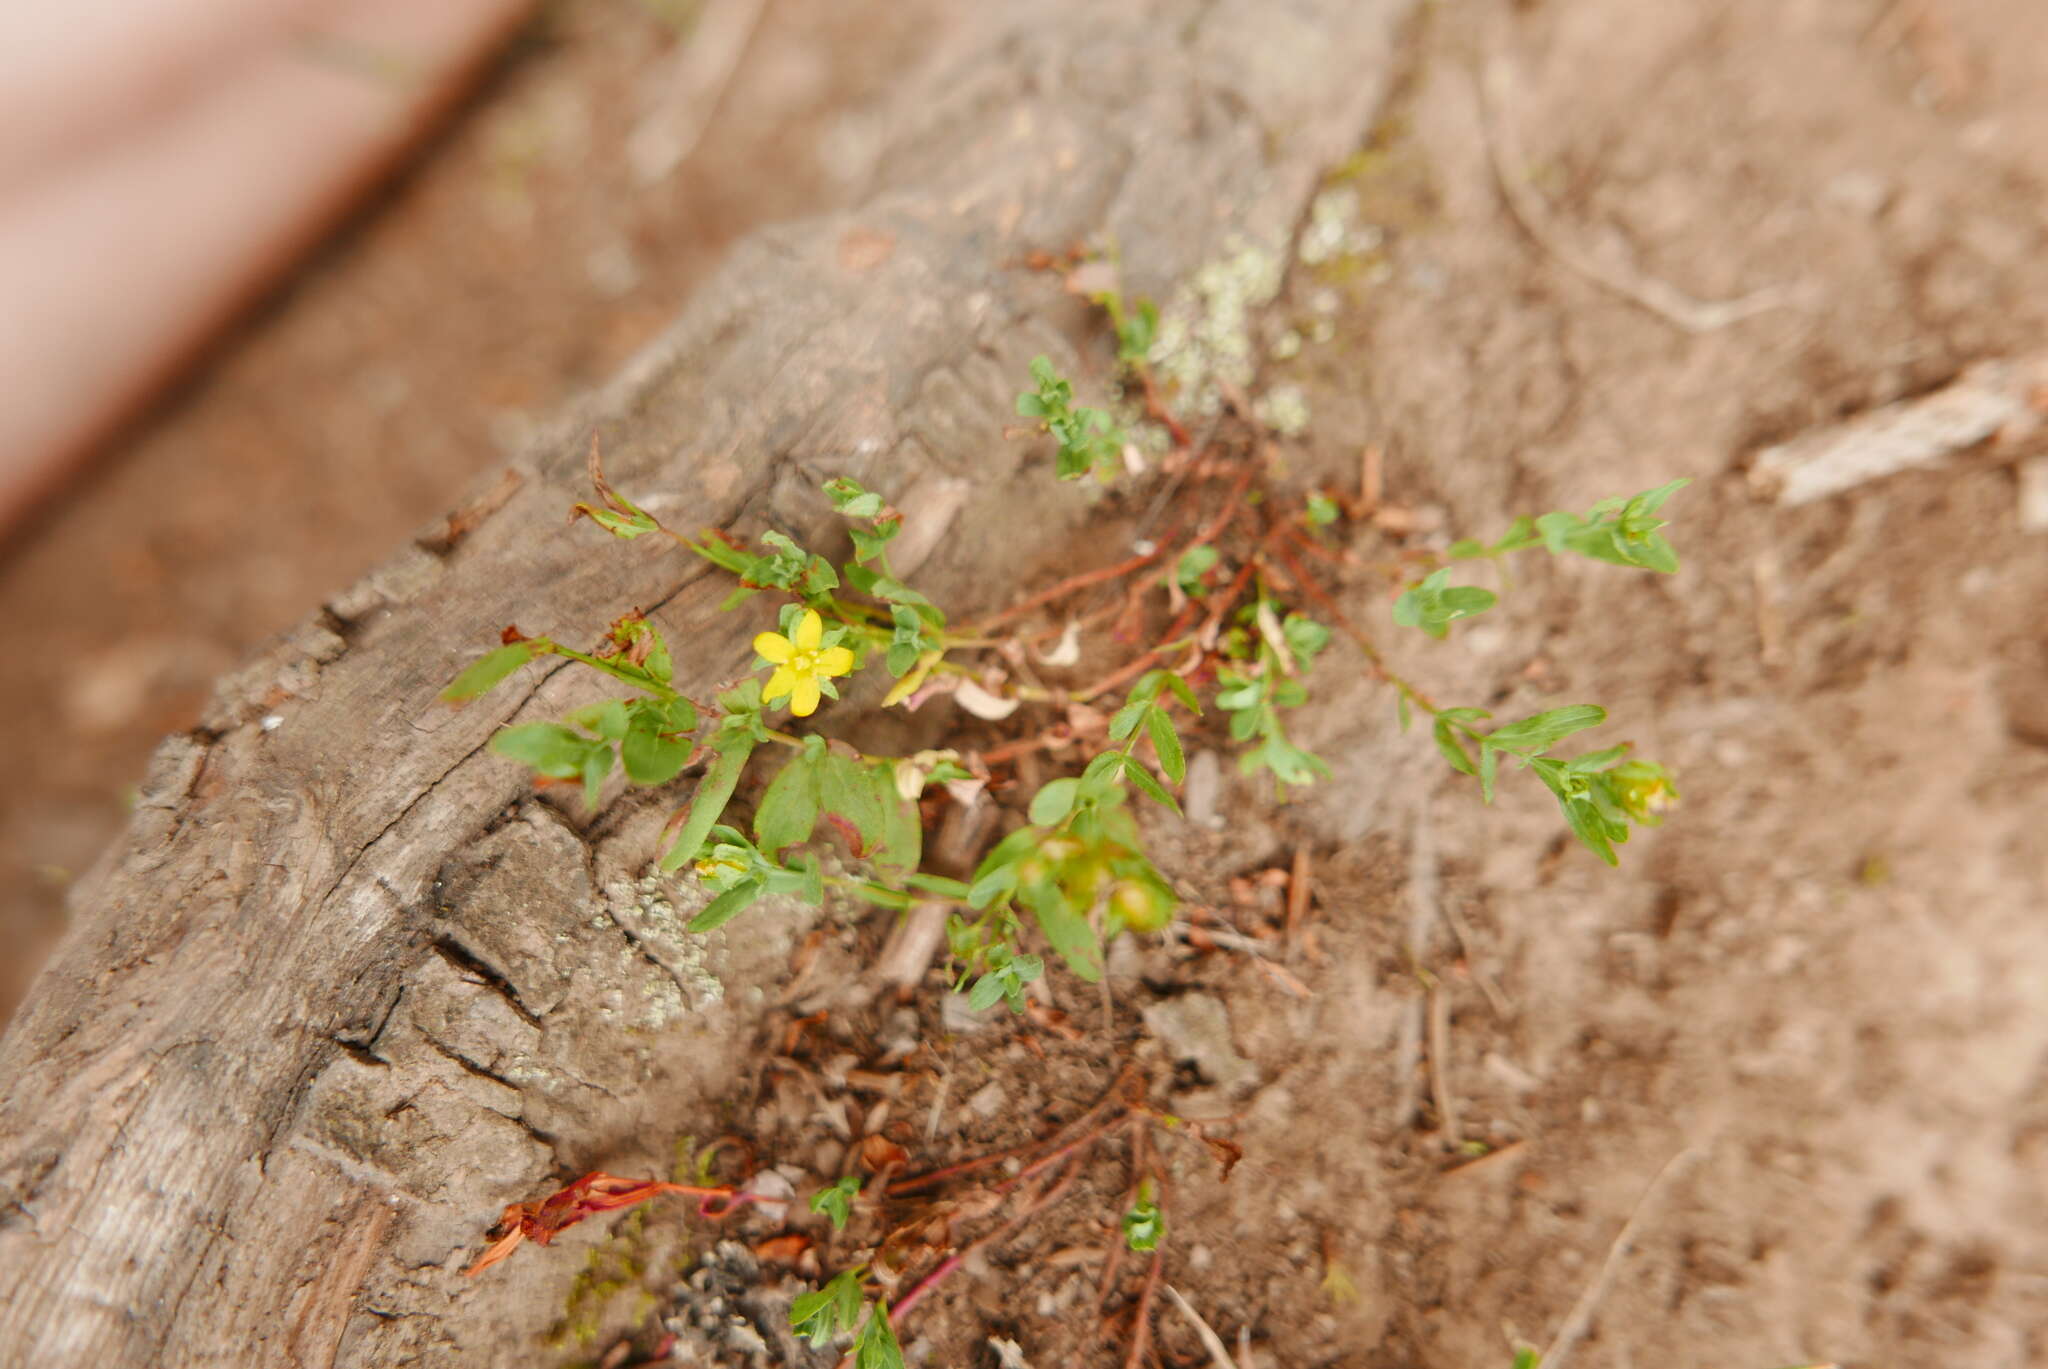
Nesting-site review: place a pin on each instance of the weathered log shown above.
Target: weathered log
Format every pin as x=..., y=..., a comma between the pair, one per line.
x=346, y=986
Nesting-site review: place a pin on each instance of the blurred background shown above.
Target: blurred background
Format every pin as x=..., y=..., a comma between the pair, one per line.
x=284, y=277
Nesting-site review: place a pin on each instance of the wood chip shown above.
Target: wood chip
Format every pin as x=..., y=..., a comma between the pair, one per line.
x=1988, y=400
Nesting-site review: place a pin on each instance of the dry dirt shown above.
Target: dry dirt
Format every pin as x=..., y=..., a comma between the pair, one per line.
x=1816, y=1002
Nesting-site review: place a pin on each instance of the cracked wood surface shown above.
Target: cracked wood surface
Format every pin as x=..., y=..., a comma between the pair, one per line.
x=345, y=987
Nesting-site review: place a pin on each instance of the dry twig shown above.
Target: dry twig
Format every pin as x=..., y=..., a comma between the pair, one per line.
x=1659, y=297
x=1582, y=1311
x=1211, y=1342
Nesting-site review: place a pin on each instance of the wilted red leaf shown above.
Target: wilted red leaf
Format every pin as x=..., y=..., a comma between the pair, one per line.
x=595, y=1192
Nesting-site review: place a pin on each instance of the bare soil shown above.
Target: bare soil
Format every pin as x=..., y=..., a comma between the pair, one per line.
x=1815, y=1003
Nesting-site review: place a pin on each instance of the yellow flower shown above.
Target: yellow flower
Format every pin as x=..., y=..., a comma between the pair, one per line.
x=801, y=664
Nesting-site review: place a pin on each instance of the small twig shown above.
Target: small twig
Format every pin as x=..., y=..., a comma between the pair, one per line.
x=1439, y=1062
x=1211, y=1342
x=1582, y=1311
x=1661, y=298
x=1407, y=1054
x=1297, y=894
x=1141, y=1329
x=1495, y=998
x=1073, y=584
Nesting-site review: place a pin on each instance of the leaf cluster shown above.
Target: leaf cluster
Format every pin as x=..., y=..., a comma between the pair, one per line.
x=835, y=1310
x=1268, y=681
x=1621, y=532
x=1600, y=792
x=1089, y=439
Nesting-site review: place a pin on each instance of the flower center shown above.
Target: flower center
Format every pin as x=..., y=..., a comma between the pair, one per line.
x=803, y=662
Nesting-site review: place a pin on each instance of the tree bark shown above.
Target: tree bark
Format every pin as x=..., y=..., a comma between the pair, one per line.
x=347, y=986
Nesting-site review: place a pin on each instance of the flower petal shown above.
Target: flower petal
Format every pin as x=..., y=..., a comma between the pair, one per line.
x=835, y=660
x=774, y=646
x=810, y=631
x=780, y=683
x=803, y=699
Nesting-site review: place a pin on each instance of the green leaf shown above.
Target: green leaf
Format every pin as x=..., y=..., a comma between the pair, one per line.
x=1194, y=563
x=901, y=843
x=1142, y=778
x=850, y=499
x=986, y=993
x=549, y=748
x=1125, y=720
x=833, y=1310
x=714, y=791
x=1306, y=637
x=726, y=906
x=987, y=888
x=836, y=1201
x=789, y=808
x=1143, y=1225
x=651, y=758
x=1166, y=742
x=607, y=719
x=491, y=670
x=1448, y=742
x=597, y=763
x=1054, y=801
x=1182, y=690
x=877, y=1347
x=1067, y=929
x=1538, y=733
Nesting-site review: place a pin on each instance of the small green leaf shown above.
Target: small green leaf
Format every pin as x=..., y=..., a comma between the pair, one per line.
x=491, y=670
x=1142, y=778
x=714, y=791
x=986, y=993
x=1166, y=742
x=1538, y=733
x=549, y=748
x=597, y=763
x=1054, y=801
x=1194, y=563
x=789, y=807
x=836, y=1201
x=607, y=719
x=651, y=758
x=1182, y=690
x=726, y=906
x=831, y=1311
x=877, y=1347
x=1143, y=1225
x=1322, y=510
x=1125, y=720
x=1448, y=742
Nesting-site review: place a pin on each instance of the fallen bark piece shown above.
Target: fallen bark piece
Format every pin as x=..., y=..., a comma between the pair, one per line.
x=1993, y=399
